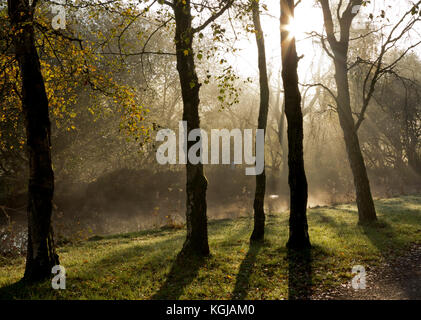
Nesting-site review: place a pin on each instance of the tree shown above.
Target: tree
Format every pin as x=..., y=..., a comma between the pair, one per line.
x=259, y=197
x=41, y=255
x=46, y=73
x=398, y=114
x=377, y=68
x=196, y=218
x=366, y=210
x=298, y=227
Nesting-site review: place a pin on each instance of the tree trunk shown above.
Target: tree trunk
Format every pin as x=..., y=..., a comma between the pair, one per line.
x=259, y=197
x=298, y=228
x=41, y=255
x=196, y=219
x=365, y=204
x=366, y=209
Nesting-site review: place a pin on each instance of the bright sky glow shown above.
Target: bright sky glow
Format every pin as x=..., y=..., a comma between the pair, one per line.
x=308, y=18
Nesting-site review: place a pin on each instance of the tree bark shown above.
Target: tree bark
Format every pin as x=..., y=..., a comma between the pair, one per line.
x=196, y=219
x=365, y=204
x=41, y=255
x=298, y=227
x=259, y=197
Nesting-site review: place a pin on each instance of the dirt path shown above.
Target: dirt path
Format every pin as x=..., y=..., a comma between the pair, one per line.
x=398, y=279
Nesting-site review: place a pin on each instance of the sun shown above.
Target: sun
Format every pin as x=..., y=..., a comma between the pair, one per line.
x=292, y=27
x=308, y=19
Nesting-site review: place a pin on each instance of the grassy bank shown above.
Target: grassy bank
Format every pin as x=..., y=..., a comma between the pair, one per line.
x=144, y=266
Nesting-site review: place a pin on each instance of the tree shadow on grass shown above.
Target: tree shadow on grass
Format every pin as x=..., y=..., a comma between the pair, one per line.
x=185, y=268
x=12, y=291
x=242, y=283
x=183, y=271
x=154, y=256
x=26, y=290
x=299, y=274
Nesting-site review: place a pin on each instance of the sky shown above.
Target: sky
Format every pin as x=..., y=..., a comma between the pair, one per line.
x=308, y=17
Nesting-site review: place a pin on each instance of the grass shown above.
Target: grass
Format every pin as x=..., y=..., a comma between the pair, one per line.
x=143, y=265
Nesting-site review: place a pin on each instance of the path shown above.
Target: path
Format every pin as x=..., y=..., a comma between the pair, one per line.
x=398, y=279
